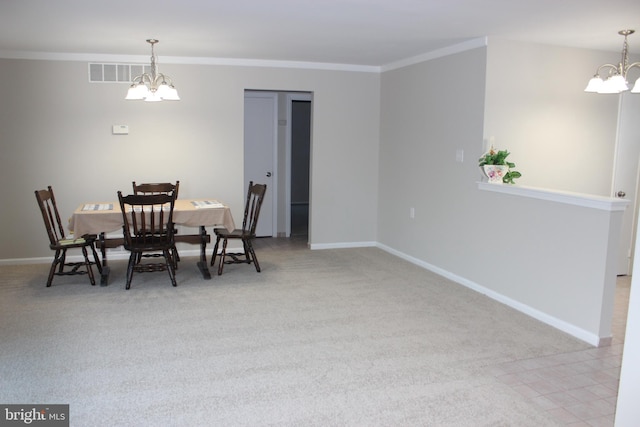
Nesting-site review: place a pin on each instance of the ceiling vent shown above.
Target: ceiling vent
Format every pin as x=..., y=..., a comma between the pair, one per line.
x=115, y=73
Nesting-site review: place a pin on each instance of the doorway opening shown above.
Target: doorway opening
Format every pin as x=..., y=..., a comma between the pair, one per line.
x=300, y=165
x=287, y=169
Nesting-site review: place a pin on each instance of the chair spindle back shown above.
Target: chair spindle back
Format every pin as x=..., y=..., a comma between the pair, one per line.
x=252, y=207
x=148, y=218
x=51, y=217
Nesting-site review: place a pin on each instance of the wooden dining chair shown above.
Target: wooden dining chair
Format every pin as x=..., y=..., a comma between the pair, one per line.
x=148, y=228
x=159, y=188
x=61, y=243
x=246, y=234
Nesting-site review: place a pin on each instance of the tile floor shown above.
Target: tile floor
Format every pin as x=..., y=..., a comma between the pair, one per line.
x=579, y=388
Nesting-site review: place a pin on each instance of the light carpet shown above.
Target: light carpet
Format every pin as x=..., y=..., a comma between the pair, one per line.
x=344, y=337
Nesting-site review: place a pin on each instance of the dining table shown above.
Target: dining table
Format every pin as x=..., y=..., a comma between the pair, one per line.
x=100, y=218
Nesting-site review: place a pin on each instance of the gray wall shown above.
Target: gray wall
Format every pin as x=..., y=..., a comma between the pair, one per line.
x=536, y=255
x=55, y=129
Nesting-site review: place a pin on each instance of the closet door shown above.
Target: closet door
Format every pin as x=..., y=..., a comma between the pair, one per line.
x=260, y=137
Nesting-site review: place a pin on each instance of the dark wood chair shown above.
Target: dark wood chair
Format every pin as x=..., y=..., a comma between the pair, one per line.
x=148, y=228
x=159, y=188
x=246, y=234
x=60, y=243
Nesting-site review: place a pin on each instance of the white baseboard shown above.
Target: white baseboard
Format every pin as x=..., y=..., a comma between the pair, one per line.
x=581, y=334
x=568, y=328
x=342, y=245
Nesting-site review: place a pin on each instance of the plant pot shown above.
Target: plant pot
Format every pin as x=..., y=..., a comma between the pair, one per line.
x=495, y=173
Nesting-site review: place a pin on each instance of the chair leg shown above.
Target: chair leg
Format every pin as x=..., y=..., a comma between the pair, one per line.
x=222, y=255
x=169, y=262
x=102, y=270
x=254, y=259
x=87, y=265
x=247, y=251
x=103, y=250
x=62, y=260
x=175, y=257
x=96, y=259
x=132, y=262
x=215, y=251
x=54, y=263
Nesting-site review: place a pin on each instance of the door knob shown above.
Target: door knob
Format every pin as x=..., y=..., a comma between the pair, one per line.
x=268, y=174
x=621, y=194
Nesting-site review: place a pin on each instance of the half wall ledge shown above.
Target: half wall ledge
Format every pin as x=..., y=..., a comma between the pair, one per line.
x=566, y=197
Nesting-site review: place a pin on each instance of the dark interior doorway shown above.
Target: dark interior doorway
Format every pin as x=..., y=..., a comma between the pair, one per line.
x=300, y=158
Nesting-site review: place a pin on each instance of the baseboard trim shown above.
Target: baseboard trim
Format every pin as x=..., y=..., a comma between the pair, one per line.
x=345, y=245
x=559, y=324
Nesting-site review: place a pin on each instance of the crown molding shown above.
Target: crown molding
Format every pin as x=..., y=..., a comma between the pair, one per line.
x=244, y=62
x=238, y=62
x=439, y=53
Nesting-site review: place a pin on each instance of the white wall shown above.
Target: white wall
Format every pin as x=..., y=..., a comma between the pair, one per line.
x=559, y=136
x=429, y=111
x=55, y=129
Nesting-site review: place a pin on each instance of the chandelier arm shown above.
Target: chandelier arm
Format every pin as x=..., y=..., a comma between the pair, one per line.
x=144, y=78
x=609, y=66
x=141, y=79
x=165, y=79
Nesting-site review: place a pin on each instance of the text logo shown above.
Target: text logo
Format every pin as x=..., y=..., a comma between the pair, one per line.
x=39, y=415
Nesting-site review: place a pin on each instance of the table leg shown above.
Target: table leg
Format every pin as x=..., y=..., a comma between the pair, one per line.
x=202, y=264
x=104, y=277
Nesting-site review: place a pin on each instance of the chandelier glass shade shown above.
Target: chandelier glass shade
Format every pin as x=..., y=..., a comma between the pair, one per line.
x=152, y=86
x=616, y=75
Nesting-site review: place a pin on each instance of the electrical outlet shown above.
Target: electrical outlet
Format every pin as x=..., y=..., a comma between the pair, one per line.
x=459, y=155
x=412, y=213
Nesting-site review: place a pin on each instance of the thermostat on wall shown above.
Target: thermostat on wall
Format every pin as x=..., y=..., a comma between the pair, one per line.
x=120, y=130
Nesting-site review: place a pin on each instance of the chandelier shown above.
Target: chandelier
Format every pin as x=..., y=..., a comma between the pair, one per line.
x=616, y=81
x=152, y=86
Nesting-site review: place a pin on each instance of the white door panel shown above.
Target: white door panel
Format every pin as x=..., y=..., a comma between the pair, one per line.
x=260, y=132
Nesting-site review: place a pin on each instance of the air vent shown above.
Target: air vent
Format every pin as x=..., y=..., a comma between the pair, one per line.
x=115, y=73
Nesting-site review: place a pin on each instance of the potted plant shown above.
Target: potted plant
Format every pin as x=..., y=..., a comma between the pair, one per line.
x=496, y=167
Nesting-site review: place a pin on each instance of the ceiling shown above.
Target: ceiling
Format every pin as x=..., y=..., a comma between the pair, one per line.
x=357, y=32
